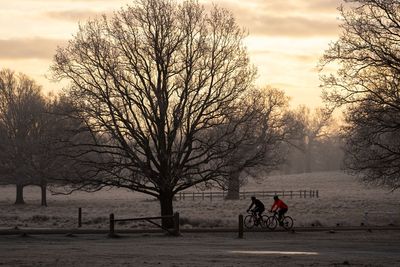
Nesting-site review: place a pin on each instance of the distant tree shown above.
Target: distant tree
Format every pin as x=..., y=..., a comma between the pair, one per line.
x=265, y=131
x=312, y=127
x=329, y=153
x=52, y=158
x=367, y=84
x=21, y=108
x=31, y=131
x=152, y=82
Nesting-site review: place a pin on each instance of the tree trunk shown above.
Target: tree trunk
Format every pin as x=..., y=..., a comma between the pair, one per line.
x=233, y=186
x=20, y=194
x=307, y=159
x=167, y=209
x=43, y=188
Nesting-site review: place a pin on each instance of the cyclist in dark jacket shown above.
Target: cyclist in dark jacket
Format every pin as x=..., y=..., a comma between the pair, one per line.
x=259, y=206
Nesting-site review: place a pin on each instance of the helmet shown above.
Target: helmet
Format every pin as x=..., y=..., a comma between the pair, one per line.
x=253, y=197
x=276, y=197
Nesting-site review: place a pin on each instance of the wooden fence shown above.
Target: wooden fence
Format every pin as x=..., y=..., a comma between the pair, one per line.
x=210, y=195
x=174, y=217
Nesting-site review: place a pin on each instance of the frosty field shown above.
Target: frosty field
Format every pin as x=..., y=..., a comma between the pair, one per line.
x=342, y=201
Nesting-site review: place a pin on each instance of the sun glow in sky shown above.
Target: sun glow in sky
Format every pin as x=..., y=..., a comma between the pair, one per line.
x=286, y=38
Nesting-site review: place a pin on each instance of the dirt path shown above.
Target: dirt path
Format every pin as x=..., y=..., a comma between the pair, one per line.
x=376, y=248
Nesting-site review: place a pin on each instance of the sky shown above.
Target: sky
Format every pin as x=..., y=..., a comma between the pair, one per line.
x=285, y=41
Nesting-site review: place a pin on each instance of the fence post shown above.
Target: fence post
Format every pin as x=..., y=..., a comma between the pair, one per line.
x=291, y=194
x=240, y=226
x=210, y=195
x=112, y=228
x=193, y=195
x=317, y=194
x=305, y=193
x=176, y=224
x=79, y=217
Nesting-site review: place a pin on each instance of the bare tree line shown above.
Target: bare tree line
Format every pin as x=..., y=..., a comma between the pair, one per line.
x=32, y=128
x=42, y=138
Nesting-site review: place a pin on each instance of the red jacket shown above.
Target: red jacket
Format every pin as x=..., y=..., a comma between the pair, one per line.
x=278, y=204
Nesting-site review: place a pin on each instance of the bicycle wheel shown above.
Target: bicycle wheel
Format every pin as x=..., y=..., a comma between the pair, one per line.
x=287, y=222
x=249, y=221
x=272, y=223
x=264, y=221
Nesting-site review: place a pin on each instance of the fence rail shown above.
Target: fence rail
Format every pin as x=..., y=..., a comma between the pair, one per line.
x=243, y=195
x=174, y=217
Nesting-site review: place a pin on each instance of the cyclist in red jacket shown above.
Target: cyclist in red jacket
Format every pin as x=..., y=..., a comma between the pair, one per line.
x=279, y=206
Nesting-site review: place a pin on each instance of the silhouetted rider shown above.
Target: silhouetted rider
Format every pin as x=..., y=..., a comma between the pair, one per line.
x=259, y=206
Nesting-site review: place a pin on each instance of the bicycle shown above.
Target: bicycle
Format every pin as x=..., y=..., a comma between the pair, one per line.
x=272, y=222
x=253, y=219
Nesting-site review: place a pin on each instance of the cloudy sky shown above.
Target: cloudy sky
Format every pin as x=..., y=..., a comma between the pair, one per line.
x=286, y=37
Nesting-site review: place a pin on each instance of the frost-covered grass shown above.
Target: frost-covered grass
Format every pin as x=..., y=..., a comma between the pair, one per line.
x=342, y=201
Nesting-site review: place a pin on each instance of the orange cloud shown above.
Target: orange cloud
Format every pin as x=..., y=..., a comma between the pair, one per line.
x=290, y=26
x=29, y=48
x=74, y=15
x=291, y=18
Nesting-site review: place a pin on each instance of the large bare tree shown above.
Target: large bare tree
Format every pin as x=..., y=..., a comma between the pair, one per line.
x=152, y=82
x=367, y=83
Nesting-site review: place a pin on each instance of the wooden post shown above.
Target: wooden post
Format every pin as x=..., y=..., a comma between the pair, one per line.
x=112, y=228
x=283, y=193
x=210, y=195
x=240, y=226
x=79, y=217
x=317, y=193
x=202, y=195
x=193, y=196
x=176, y=224
x=291, y=194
